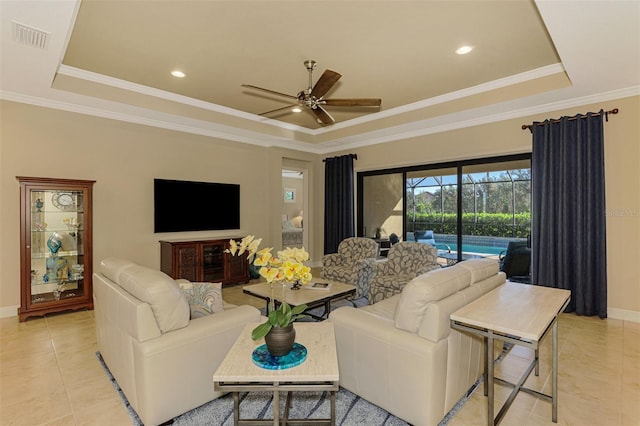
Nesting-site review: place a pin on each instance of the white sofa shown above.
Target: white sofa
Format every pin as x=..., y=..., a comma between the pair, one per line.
x=162, y=360
x=401, y=354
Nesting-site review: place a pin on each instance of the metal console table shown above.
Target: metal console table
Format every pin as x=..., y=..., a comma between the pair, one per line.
x=521, y=314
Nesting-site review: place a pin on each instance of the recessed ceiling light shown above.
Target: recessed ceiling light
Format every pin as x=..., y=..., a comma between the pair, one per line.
x=178, y=74
x=296, y=109
x=464, y=50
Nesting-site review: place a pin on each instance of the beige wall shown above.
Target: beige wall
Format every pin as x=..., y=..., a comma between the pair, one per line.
x=123, y=158
x=622, y=163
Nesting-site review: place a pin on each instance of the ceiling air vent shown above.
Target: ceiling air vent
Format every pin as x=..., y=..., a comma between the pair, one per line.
x=29, y=36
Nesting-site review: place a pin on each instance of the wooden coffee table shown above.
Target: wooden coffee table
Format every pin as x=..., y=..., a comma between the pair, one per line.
x=319, y=372
x=303, y=296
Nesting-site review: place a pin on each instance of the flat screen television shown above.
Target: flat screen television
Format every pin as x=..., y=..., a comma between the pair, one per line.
x=181, y=206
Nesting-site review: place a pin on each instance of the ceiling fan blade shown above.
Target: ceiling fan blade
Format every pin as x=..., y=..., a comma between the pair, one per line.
x=352, y=102
x=269, y=91
x=325, y=83
x=279, y=109
x=322, y=116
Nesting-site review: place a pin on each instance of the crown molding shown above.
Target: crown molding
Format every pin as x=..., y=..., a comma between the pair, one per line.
x=173, y=97
x=431, y=126
x=479, y=116
x=171, y=122
x=458, y=94
x=452, y=96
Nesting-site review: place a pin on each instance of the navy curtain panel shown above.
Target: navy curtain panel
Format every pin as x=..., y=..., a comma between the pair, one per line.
x=338, y=201
x=568, y=210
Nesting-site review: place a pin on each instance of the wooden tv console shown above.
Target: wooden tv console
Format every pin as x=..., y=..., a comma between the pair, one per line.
x=203, y=260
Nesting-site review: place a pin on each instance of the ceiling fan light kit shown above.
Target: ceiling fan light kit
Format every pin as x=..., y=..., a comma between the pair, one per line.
x=312, y=98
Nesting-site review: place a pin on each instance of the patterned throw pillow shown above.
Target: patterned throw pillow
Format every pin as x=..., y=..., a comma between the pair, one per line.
x=204, y=298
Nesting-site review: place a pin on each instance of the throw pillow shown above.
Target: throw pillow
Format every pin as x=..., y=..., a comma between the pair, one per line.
x=204, y=298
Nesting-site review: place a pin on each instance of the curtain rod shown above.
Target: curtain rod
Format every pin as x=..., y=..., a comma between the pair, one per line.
x=354, y=156
x=575, y=117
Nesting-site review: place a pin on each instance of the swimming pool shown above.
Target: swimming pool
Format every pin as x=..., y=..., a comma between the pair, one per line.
x=472, y=248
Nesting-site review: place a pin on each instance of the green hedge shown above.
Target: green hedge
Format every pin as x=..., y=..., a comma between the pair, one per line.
x=494, y=224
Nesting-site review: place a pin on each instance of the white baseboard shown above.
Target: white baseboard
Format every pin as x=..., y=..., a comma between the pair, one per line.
x=623, y=314
x=9, y=311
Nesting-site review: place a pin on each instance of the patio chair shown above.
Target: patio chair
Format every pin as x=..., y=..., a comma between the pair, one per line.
x=427, y=237
x=516, y=261
x=393, y=239
x=406, y=260
x=352, y=264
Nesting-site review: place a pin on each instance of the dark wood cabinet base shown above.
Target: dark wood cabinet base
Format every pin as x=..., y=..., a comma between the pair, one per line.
x=41, y=311
x=203, y=260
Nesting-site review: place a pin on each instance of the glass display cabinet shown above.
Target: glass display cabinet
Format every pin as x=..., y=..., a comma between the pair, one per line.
x=56, y=245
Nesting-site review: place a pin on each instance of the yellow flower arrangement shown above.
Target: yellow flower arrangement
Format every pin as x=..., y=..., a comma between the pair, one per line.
x=287, y=266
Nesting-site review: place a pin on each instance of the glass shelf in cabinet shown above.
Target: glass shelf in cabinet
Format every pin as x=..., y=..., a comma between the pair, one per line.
x=40, y=281
x=69, y=231
x=66, y=211
x=45, y=255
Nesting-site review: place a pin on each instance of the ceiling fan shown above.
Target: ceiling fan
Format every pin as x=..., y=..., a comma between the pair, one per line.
x=312, y=97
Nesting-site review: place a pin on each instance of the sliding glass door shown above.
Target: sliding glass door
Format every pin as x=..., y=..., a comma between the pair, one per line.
x=465, y=209
x=496, y=207
x=432, y=208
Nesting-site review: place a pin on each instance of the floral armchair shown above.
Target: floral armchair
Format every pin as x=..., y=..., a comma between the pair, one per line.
x=354, y=263
x=406, y=260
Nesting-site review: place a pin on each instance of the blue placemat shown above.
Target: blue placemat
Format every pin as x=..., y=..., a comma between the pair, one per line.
x=262, y=358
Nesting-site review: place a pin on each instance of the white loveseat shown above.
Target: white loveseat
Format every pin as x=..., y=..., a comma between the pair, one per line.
x=162, y=360
x=401, y=354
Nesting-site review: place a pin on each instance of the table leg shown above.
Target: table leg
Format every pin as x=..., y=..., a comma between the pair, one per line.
x=554, y=373
x=327, y=309
x=287, y=407
x=236, y=408
x=486, y=367
x=276, y=405
x=489, y=370
x=333, y=408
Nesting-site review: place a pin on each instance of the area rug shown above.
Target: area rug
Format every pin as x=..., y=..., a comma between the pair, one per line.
x=351, y=410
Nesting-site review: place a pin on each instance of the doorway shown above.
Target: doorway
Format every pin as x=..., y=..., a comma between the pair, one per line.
x=294, y=189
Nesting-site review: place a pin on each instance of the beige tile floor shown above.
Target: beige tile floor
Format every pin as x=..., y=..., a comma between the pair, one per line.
x=49, y=374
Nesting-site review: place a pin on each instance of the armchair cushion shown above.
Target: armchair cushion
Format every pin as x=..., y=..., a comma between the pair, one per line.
x=405, y=261
x=203, y=298
x=332, y=259
x=352, y=264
